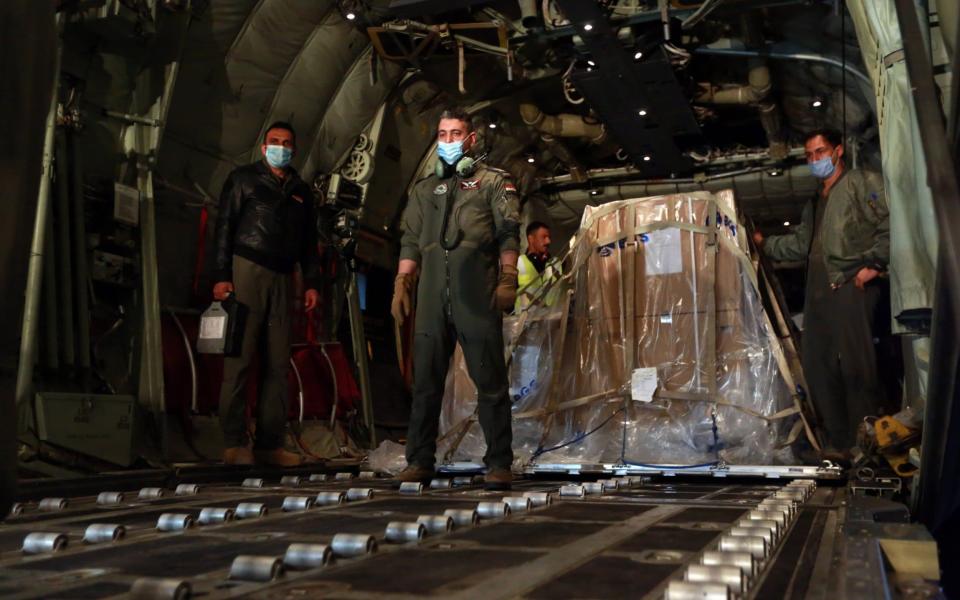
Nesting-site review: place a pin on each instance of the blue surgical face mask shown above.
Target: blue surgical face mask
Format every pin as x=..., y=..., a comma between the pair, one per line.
x=823, y=168
x=450, y=152
x=279, y=157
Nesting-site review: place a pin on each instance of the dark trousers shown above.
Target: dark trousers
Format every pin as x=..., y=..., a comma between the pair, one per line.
x=267, y=296
x=840, y=361
x=481, y=338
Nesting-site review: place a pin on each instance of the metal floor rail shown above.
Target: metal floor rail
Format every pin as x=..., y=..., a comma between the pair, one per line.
x=357, y=536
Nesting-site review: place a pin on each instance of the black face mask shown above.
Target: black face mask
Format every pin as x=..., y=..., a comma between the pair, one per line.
x=539, y=260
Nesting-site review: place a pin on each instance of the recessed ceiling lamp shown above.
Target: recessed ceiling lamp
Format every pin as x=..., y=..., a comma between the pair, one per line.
x=638, y=56
x=646, y=158
x=351, y=16
x=588, y=27
x=817, y=102
x=786, y=223
x=492, y=125
x=775, y=172
x=531, y=160
x=642, y=112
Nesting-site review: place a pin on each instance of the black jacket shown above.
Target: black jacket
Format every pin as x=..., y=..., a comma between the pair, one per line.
x=270, y=222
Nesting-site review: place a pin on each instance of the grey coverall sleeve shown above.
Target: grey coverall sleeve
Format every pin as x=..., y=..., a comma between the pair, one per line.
x=794, y=246
x=505, y=205
x=412, y=224
x=231, y=203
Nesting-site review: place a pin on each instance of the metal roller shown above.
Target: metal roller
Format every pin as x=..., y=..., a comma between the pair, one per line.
x=764, y=532
x=343, y=476
x=462, y=517
x=769, y=524
x=318, y=478
x=16, y=509
x=742, y=560
x=493, y=510
x=609, y=484
x=330, y=498
x=637, y=480
x=462, y=481
x=53, y=504
x=174, y=522
x=297, y=503
x=151, y=588
x=688, y=590
x=788, y=506
x=250, y=510
x=307, y=556
x=437, y=525
x=256, y=568
x=572, y=491
x=757, y=546
x=367, y=475
x=187, y=489
x=780, y=516
x=441, y=484
x=353, y=544
x=354, y=494
x=214, y=515
x=732, y=577
x=401, y=533
x=539, y=499
x=624, y=482
x=517, y=503
x=252, y=482
x=290, y=481
x=411, y=488
x=792, y=494
x=108, y=498
x=593, y=488
x=42, y=543
x=150, y=493
x=98, y=533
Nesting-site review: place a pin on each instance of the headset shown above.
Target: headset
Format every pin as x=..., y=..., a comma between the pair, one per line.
x=464, y=167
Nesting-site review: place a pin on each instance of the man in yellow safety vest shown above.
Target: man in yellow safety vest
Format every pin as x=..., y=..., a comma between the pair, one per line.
x=536, y=268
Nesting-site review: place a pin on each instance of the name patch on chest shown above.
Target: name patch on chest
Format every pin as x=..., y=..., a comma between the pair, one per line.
x=440, y=189
x=470, y=184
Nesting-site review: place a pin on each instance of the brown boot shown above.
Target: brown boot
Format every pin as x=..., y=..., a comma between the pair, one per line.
x=278, y=457
x=416, y=473
x=238, y=455
x=498, y=478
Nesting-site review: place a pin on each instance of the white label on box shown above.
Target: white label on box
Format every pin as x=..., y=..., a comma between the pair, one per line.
x=212, y=328
x=126, y=204
x=661, y=249
x=643, y=383
x=666, y=319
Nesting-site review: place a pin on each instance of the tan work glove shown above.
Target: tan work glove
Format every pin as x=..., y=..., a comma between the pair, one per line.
x=505, y=295
x=402, y=302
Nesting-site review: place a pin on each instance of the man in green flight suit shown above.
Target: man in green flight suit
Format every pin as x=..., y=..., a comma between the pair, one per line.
x=461, y=232
x=845, y=239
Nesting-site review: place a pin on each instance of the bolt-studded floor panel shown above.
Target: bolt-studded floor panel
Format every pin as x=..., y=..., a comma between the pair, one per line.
x=627, y=537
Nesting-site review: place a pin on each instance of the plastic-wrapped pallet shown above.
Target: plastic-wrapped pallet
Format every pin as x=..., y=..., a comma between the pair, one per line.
x=663, y=353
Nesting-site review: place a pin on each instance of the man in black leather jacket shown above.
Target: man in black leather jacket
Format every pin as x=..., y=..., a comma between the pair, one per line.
x=266, y=225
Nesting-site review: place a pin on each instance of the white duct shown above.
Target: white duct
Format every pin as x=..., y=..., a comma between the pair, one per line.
x=565, y=125
x=528, y=13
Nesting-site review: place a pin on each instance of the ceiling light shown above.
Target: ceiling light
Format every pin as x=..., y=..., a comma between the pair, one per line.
x=786, y=223
x=588, y=27
x=351, y=16
x=646, y=158
x=594, y=192
x=492, y=125
x=531, y=160
x=642, y=112
x=775, y=172
x=817, y=103
x=638, y=56
x=591, y=63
